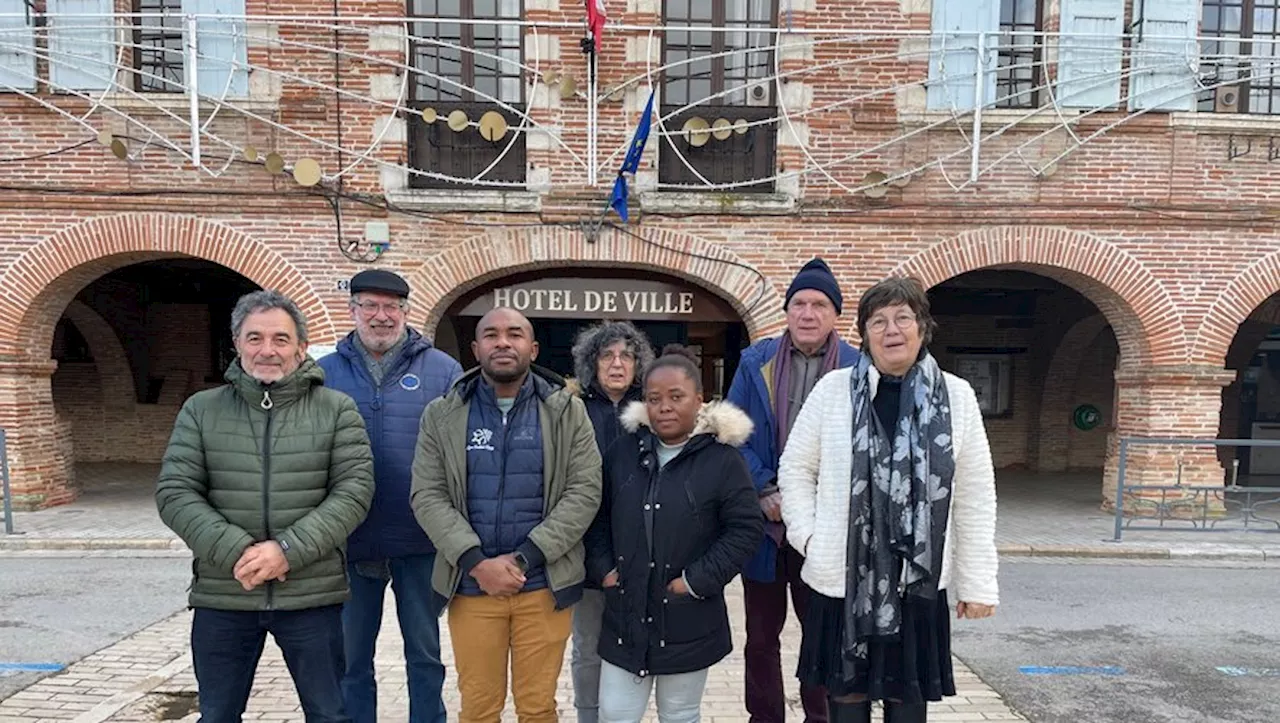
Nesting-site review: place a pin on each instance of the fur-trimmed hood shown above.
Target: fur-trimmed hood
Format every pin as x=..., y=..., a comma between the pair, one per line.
x=728, y=423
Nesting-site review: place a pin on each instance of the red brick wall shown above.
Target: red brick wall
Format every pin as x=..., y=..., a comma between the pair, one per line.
x=177, y=345
x=1172, y=242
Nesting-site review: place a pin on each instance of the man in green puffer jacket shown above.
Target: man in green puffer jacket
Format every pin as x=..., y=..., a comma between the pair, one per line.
x=264, y=479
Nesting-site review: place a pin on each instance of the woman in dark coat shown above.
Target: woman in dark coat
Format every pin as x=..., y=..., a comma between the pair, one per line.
x=608, y=360
x=678, y=520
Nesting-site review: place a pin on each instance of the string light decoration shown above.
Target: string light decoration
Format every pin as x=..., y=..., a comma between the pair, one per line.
x=810, y=87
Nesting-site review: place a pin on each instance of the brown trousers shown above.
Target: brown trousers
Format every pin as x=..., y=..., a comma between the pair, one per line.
x=526, y=629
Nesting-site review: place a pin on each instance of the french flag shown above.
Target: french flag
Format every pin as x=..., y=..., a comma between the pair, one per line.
x=595, y=20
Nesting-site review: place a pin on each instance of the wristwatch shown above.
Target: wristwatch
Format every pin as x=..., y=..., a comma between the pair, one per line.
x=522, y=562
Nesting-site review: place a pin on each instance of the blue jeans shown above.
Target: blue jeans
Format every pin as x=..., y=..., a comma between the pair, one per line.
x=419, y=615
x=226, y=646
x=624, y=697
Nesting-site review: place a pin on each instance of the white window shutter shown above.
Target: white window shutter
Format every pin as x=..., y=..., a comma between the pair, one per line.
x=1090, y=53
x=17, y=47
x=82, y=44
x=953, y=57
x=1166, y=58
x=221, y=67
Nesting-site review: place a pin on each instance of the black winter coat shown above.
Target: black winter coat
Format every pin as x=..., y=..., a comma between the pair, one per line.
x=698, y=517
x=605, y=415
x=607, y=423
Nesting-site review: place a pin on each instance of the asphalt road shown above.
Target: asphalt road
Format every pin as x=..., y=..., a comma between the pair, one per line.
x=58, y=610
x=1131, y=642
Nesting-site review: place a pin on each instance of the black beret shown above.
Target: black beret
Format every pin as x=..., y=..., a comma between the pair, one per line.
x=379, y=280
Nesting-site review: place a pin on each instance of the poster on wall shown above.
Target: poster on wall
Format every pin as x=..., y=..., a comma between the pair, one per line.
x=991, y=376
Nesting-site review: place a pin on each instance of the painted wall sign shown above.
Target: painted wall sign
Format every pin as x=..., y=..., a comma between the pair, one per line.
x=583, y=298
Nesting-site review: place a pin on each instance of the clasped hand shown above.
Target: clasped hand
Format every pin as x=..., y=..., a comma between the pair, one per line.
x=259, y=563
x=499, y=576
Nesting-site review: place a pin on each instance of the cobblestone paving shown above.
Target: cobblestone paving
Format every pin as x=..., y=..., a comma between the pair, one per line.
x=148, y=677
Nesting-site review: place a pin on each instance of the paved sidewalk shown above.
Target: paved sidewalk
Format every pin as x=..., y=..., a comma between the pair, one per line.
x=148, y=677
x=1039, y=514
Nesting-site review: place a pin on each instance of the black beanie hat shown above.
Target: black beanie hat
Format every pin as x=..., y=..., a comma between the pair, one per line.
x=816, y=275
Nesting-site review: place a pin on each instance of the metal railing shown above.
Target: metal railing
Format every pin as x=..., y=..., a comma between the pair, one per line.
x=1229, y=507
x=4, y=483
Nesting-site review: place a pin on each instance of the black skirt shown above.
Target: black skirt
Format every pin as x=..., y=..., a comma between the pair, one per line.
x=914, y=668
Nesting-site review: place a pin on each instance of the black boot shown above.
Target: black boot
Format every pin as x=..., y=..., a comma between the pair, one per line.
x=905, y=712
x=838, y=712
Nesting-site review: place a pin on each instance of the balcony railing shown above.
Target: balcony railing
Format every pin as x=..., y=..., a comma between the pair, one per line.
x=842, y=108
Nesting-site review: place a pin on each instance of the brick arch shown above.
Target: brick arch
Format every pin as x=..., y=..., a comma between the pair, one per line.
x=46, y=277
x=1145, y=321
x=115, y=374
x=1064, y=370
x=447, y=276
x=1249, y=295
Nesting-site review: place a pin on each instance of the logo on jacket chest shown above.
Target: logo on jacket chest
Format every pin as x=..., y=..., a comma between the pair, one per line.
x=481, y=438
x=410, y=382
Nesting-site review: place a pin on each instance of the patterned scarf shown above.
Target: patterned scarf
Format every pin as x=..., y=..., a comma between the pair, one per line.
x=782, y=381
x=899, y=503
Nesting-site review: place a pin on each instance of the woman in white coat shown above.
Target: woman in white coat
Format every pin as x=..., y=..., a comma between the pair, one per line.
x=888, y=490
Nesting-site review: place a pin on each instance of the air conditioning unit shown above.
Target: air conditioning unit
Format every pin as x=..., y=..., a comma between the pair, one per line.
x=758, y=95
x=1226, y=99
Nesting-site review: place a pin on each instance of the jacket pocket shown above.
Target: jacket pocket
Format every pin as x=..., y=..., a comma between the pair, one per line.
x=688, y=619
x=616, y=616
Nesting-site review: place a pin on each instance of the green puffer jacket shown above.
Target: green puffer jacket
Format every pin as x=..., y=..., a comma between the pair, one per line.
x=249, y=462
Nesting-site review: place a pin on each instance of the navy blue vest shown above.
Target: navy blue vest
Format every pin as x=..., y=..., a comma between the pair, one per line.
x=504, y=476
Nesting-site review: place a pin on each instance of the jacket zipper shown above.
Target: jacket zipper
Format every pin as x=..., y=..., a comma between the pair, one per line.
x=268, y=405
x=502, y=472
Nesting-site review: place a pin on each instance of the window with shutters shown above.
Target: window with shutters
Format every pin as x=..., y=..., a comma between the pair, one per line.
x=160, y=54
x=17, y=50
x=1019, y=54
x=1239, y=57
x=724, y=73
x=465, y=73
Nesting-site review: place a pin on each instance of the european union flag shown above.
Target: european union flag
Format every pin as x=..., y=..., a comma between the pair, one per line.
x=618, y=200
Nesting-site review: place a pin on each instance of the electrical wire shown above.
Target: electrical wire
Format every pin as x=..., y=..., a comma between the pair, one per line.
x=764, y=281
x=47, y=154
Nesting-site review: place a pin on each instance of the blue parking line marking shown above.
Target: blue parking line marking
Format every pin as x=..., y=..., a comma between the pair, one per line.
x=1111, y=670
x=31, y=667
x=1236, y=672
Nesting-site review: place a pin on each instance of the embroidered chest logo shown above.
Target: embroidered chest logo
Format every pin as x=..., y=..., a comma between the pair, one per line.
x=410, y=382
x=481, y=439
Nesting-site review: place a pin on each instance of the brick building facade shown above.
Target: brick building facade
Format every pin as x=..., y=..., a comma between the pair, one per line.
x=1099, y=236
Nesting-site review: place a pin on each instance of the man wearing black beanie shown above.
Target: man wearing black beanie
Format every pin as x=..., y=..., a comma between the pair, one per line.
x=772, y=381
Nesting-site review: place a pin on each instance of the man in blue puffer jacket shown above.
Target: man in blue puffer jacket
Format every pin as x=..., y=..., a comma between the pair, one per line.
x=392, y=372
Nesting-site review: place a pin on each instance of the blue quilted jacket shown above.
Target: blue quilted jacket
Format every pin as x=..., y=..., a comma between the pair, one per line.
x=391, y=414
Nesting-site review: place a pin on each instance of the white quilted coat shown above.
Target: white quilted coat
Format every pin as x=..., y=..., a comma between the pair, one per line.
x=814, y=473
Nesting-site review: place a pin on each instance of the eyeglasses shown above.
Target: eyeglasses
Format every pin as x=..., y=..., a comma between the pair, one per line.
x=625, y=357
x=880, y=324
x=372, y=307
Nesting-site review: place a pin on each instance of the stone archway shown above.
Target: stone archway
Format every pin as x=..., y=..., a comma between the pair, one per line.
x=1137, y=306
x=447, y=276
x=1158, y=394
x=41, y=283
x=1238, y=302
x=114, y=372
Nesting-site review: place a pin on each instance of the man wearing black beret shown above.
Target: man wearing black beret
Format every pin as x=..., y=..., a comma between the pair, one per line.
x=392, y=372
